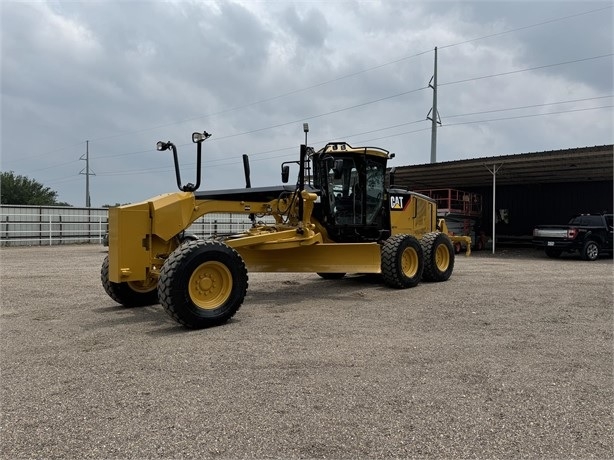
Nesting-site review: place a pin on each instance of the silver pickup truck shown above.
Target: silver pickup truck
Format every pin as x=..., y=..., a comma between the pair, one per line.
x=588, y=234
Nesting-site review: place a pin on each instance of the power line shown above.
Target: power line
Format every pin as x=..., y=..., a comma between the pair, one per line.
x=279, y=125
x=235, y=160
x=530, y=26
x=342, y=77
x=311, y=117
x=323, y=114
x=353, y=74
x=526, y=70
x=269, y=99
x=38, y=155
x=529, y=116
x=227, y=161
x=530, y=106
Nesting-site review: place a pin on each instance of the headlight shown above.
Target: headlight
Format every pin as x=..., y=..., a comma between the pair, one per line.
x=199, y=137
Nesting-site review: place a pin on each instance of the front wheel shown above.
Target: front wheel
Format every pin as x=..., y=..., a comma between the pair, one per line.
x=402, y=261
x=129, y=293
x=202, y=283
x=438, y=256
x=590, y=251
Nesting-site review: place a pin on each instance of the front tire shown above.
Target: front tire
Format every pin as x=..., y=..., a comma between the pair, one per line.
x=202, y=284
x=402, y=261
x=590, y=251
x=438, y=256
x=129, y=293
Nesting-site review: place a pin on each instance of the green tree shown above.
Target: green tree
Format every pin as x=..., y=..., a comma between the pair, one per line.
x=22, y=190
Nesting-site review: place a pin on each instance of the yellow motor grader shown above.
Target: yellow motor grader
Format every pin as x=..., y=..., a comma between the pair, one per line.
x=339, y=218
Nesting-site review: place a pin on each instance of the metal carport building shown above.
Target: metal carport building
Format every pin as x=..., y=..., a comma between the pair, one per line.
x=534, y=188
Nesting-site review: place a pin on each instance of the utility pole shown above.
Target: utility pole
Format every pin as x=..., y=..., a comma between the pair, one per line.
x=433, y=114
x=87, y=173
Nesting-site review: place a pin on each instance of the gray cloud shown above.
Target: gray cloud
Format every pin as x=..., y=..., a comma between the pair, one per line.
x=126, y=74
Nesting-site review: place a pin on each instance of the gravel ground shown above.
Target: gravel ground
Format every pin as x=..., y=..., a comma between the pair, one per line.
x=512, y=357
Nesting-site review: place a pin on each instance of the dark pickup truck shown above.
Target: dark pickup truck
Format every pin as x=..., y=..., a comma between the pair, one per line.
x=590, y=235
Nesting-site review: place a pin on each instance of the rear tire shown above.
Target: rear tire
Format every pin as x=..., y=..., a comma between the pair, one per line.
x=129, y=293
x=590, y=251
x=331, y=276
x=438, y=257
x=202, y=283
x=402, y=261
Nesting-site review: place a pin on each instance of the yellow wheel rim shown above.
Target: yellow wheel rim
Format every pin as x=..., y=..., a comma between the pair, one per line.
x=410, y=262
x=144, y=287
x=210, y=285
x=442, y=257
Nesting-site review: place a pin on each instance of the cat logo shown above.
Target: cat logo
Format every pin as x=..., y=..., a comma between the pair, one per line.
x=398, y=203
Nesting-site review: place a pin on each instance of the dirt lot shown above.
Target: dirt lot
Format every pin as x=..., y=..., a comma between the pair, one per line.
x=512, y=357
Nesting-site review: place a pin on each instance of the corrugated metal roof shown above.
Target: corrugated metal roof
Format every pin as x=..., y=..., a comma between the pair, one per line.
x=571, y=165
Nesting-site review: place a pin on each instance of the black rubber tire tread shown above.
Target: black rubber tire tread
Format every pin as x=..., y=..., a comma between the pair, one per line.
x=553, y=253
x=122, y=293
x=173, y=285
x=392, y=270
x=585, y=250
x=430, y=242
x=331, y=276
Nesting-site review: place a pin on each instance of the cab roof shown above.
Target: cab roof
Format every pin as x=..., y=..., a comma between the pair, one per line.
x=344, y=147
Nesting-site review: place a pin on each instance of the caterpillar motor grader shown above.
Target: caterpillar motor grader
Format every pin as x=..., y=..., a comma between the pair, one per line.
x=339, y=218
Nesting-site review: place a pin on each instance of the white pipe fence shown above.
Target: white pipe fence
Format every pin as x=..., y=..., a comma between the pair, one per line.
x=54, y=225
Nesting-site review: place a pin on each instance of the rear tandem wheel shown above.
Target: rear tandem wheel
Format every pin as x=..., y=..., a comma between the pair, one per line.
x=402, y=261
x=438, y=256
x=202, y=283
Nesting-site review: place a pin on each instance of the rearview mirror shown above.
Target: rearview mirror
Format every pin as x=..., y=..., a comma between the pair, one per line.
x=285, y=173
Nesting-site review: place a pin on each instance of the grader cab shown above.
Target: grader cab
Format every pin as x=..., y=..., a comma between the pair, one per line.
x=339, y=218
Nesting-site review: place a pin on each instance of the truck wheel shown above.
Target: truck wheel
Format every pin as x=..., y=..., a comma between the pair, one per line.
x=129, y=293
x=438, y=256
x=331, y=276
x=402, y=261
x=590, y=251
x=202, y=283
x=553, y=253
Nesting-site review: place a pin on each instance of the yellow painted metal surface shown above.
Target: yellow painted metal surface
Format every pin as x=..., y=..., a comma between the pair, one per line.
x=210, y=285
x=129, y=255
x=330, y=258
x=462, y=239
x=286, y=239
x=417, y=216
x=172, y=213
x=410, y=262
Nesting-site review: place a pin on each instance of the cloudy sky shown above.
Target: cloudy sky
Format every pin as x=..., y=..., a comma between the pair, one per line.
x=514, y=77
